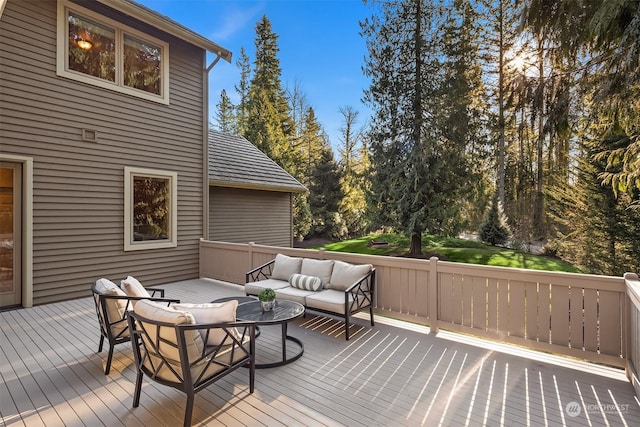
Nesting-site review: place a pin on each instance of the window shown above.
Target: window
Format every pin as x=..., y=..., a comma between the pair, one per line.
x=150, y=209
x=102, y=52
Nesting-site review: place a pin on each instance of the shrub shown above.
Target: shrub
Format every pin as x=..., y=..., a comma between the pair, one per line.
x=495, y=230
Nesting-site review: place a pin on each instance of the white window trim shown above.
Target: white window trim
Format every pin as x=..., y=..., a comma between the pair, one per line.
x=129, y=243
x=62, y=68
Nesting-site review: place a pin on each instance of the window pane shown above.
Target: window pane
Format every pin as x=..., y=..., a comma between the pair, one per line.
x=151, y=208
x=92, y=48
x=142, y=61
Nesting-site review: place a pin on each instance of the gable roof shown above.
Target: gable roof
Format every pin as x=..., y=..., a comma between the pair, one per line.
x=160, y=21
x=236, y=162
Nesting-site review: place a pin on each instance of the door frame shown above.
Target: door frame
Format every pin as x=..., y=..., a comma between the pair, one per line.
x=27, y=225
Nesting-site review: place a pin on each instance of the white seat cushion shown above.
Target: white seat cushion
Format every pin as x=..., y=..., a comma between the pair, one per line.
x=328, y=300
x=319, y=268
x=254, y=288
x=223, y=312
x=284, y=266
x=345, y=274
x=293, y=294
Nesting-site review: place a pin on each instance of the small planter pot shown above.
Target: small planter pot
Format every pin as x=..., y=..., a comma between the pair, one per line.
x=267, y=305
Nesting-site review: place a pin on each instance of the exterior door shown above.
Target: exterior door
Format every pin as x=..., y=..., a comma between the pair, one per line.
x=10, y=234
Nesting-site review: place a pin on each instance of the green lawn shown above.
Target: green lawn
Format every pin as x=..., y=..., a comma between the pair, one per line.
x=452, y=249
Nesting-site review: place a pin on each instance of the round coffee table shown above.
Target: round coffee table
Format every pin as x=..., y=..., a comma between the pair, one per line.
x=283, y=312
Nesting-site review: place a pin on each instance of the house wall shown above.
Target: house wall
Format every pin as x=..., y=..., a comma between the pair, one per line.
x=78, y=186
x=242, y=216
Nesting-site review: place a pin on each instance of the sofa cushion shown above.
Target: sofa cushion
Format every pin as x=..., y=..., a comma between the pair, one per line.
x=294, y=294
x=223, y=312
x=133, y=288
x=328, y=300
x=321, y=268
x=345, y=274
x=254, y=288
x=307, y=283
x=284, y=266
x=161, y=313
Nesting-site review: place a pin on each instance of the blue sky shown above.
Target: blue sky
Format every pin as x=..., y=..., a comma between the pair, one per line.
x=320, y=47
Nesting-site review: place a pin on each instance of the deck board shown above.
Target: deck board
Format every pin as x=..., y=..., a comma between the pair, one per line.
x=394, y=374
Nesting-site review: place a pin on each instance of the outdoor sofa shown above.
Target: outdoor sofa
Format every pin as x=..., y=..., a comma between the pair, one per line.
x=327, y=286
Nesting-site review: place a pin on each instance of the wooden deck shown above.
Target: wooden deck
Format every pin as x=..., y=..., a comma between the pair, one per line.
x=395, y=374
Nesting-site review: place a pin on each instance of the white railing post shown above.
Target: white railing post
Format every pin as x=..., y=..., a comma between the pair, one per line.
x=632, y=324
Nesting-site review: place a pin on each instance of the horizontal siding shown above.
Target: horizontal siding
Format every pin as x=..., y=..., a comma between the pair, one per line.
x=79, y=186
x=242, y=216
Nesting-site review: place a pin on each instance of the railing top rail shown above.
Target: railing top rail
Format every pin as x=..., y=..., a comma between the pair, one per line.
x=633, y=288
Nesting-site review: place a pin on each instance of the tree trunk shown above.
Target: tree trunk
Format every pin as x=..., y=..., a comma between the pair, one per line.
x=416, y=245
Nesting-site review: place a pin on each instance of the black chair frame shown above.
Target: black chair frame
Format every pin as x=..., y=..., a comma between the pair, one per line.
x=107, y=324
x=191, y=376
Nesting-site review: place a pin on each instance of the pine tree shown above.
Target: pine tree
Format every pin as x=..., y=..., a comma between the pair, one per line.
x=495, y=230
x=225, y=114
x=242, y=109
x=604, y=35
x=269, y=124
x=416, y=177
x=325, y=195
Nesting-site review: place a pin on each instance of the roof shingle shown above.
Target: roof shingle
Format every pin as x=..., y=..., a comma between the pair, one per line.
x=236, y=162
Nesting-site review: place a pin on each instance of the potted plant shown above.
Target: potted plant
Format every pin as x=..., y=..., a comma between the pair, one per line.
x=267, y=297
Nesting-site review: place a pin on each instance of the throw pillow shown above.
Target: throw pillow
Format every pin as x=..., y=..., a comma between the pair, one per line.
x=223, y=312
x=319, y=268
x=345, y=274
x=285, y=266
x=308, y=283
x=115, y=307
x=134, y=288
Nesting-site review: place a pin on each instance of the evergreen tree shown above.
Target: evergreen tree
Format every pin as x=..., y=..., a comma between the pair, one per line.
x=416, y=178
x=225, y=114
x=301, y=216
x=269, y=124
x=325, y=195
x=597, y=229
x=463, y=113
x=495, y=230
x=242, y=109
x=604, y=36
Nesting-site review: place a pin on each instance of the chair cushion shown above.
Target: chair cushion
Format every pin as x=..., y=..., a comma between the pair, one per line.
x=319, y=268
x=285, y=266
x=308, y=283
x=134, y=288
x=345, y=274
x=161, y=313
x=115, y=307
x=213, y=313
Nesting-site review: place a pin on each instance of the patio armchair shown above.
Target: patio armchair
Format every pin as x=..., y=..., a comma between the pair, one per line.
x=112, y=305
x=170, y=348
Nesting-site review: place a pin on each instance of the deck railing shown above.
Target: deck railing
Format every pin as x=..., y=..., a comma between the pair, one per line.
x=633, y=359
x=587, y=316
